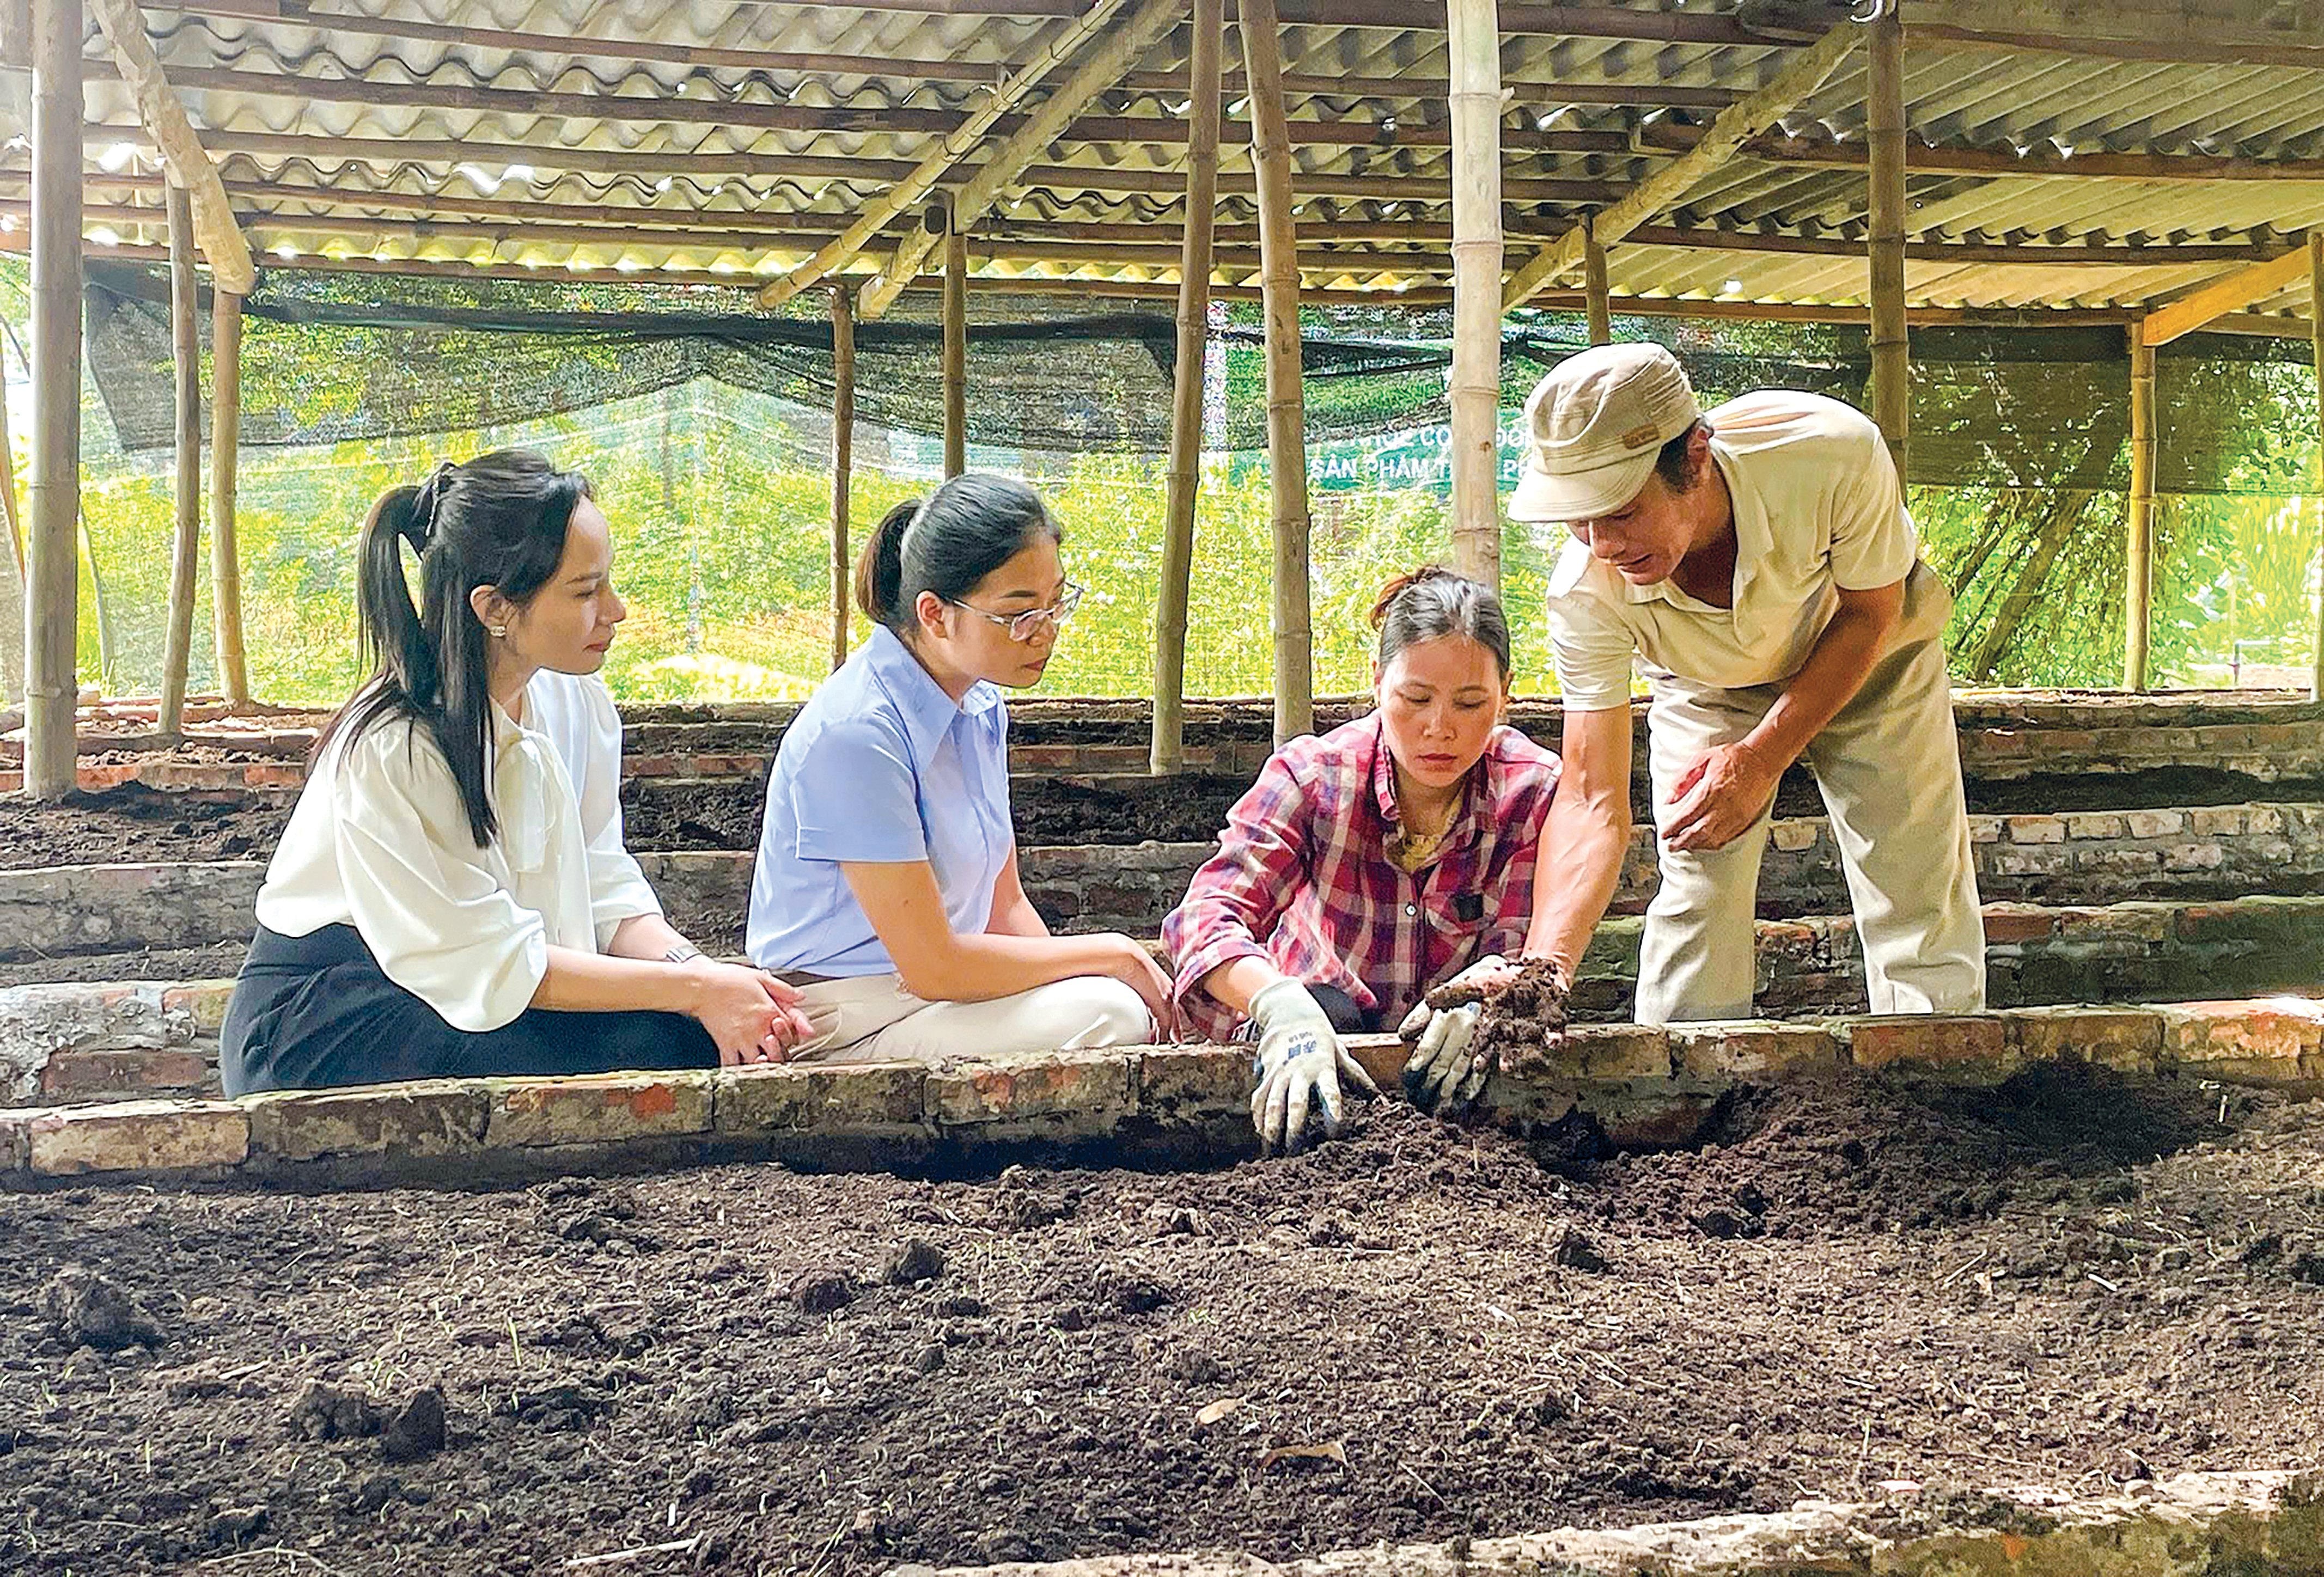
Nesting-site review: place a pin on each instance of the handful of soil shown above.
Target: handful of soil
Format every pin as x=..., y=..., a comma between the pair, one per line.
x=1515, y=1024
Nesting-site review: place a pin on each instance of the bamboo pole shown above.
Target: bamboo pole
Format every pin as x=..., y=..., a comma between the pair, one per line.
x=1169, y=752
x=1286, y=448
x=1473, y=47
x=186, y=546
x=842, y=458
x=1596, y=295
x=2316, y=341
x=2138, y=590
x=226, y=456
x=12, y=571
x=956, y=347
x=1884, y=118
x=52, y=684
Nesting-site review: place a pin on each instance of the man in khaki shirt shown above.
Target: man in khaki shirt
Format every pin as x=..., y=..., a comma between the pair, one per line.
x=1759, y=564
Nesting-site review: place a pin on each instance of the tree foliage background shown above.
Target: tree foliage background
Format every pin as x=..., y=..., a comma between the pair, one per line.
x=720, y=499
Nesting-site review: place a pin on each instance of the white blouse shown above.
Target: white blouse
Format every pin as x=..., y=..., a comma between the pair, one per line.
x=379, y=841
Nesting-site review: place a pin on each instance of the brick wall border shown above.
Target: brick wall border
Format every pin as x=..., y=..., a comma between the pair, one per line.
x=1646, y=1086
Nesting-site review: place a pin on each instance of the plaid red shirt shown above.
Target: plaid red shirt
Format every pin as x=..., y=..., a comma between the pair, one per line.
x=1304, y=879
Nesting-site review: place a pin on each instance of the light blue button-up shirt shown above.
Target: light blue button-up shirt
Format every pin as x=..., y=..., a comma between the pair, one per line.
x=881, y=768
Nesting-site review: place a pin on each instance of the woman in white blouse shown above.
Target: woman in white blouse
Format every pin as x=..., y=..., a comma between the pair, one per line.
x=444, y=903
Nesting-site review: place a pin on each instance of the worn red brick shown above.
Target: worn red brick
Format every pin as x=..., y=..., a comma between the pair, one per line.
x=138, y=1136
x=1092, y=1086
x=1926, y=1040
x=143, y=1070
x=604, y=1107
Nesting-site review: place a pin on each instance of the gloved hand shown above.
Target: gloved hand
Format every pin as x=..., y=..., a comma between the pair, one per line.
x=1300, y=1060
x=1442, y=1071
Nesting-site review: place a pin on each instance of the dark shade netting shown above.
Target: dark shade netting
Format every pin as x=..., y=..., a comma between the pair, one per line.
x=329, y=357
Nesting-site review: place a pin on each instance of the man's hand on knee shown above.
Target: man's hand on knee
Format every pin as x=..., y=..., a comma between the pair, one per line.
x=1719, y=797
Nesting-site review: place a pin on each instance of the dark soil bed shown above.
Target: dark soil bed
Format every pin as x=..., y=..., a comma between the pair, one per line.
x=132, y=823
x=1416, y=1332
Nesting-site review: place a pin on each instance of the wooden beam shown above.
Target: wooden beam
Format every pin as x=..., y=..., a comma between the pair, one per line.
x=163, y=116
x=1534, y=19
x=1884, y=121
x=738, y=228
x=51, y=680
x=1598, y=306
x=1958, y=158
x=186, y=544
x=957, y=145
x=2100, y=254
x=391, y=153
x=1473, y=50
x=905, y=69
x=1728, y=132
x=2138, y=554
x=843, y=460
x=2316, y=347
x=1166, y=753
x=955, y=344
x=1099, y=70
x=2170, y=40
x=2236, y=290
x=226, y=457
x=1287, y=447
x=964, y=130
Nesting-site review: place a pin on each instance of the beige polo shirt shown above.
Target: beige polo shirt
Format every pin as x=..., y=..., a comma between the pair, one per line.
x=1818, y=510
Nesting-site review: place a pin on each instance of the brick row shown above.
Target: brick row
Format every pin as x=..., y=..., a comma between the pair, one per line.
x=1644, y=1083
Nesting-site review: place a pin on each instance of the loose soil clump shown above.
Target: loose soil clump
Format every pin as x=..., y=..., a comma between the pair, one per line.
x=1518, y=1022
x=1420, y=1331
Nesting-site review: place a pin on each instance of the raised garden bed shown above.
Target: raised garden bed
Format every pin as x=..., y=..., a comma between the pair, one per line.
x=1422, y=1333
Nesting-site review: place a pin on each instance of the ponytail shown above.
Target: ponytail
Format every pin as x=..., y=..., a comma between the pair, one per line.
x=388, y=634
x=880, y=569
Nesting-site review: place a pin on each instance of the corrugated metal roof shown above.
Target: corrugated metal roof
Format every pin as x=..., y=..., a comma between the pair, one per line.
x=594, y=143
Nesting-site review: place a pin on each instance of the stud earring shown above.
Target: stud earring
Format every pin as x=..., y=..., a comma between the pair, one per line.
x=499, y=632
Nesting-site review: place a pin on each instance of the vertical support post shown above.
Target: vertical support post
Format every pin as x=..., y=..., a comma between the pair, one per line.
x=52, y=683
x=843, y=457
x=1884, y=128
x=1473, y=46
x=2138, y=588
x=1287, y=447
x=11, y=565
x=955, y=348
x=1598, y=296
x=225, y=446
x=2316, y=340
x=1169, y=752
x=186, y=546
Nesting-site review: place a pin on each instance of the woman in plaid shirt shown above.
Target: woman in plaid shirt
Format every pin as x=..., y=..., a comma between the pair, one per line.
x=1369, y=865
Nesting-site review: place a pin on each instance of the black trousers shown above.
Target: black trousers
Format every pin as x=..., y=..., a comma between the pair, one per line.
x=310, y=1012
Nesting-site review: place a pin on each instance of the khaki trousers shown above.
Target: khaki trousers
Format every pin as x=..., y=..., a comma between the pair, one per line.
x=1888, y=767
x=873, y=1018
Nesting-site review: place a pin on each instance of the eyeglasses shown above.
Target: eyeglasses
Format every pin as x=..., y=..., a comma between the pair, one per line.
x=1025, y=625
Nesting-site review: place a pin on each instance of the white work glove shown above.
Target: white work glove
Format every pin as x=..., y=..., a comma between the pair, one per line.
x=1441, y=1071
x=1300, y=1060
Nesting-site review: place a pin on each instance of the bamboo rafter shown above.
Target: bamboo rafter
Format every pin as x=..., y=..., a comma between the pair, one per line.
x=163, y=116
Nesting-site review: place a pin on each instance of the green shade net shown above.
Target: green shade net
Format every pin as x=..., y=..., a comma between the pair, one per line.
x=329, y=357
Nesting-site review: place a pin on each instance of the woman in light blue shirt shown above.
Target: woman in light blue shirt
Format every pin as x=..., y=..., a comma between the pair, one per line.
x=887, y=887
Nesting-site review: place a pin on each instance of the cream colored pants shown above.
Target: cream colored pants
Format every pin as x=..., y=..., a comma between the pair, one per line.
x=873, y=1018
x=1889, y=770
